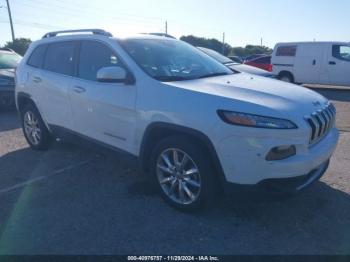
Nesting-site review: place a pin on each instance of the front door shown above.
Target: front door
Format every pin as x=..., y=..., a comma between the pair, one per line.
x=102, y=111
x=339, y=65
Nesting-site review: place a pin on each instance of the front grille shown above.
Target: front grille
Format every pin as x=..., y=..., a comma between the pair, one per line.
x=321, y=122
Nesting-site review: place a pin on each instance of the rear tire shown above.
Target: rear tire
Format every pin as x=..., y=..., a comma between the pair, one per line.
x=286, y=77
x=183, y=173
x=34, y=129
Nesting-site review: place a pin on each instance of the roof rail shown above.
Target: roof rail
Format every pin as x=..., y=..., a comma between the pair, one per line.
x=93, y=31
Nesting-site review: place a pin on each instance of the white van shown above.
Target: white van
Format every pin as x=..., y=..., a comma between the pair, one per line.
x=312, y=62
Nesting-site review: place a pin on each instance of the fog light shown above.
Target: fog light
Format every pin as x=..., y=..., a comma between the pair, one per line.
x=280, y=153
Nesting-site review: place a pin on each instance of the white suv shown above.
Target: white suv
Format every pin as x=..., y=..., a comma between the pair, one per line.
x=195, y=125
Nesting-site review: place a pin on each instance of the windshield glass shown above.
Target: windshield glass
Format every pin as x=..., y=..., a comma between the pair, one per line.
x=9, y=60
x=170, y=60
x=217, y=56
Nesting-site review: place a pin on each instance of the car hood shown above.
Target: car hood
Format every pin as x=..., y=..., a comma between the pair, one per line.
x=249, y=69
x=258, y=95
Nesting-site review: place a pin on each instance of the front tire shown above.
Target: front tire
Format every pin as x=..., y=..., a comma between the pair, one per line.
x=183, y=173
x=34, y=129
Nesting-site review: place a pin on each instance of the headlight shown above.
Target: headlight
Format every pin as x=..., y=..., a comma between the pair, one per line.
x=250, y=120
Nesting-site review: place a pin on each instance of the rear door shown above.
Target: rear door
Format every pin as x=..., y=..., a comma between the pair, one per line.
x=309, y=61
x=102, y=111
x=33, y=78
x=338, y=64
x=59, y=66
x=283, y=58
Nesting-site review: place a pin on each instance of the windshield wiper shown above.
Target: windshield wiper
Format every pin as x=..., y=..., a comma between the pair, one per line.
x=171, y=78
x=231, y=63
x=213, y=74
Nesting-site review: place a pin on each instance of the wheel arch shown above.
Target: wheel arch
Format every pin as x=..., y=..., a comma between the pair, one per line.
x=286, y=72
x=23, y=99
x=159, y=130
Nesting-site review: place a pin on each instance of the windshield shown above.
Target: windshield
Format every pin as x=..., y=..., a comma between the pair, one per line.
x=217, y=56
x=170, y=60
x=9, y=60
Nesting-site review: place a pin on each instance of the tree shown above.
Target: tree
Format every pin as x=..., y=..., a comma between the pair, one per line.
x=212, y=43
x=216, y=45
x=20, y=45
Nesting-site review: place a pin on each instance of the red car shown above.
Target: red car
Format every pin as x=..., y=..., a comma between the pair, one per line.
x=261, y=62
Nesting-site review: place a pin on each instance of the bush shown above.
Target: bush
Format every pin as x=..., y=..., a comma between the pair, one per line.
x=20, y=45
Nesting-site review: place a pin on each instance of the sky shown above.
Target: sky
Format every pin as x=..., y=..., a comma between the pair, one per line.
x=243, y=21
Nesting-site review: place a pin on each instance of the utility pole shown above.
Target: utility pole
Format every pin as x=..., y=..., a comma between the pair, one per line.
x=166, y=27
x=223, y=43
x=11, y=23
x=261, y=42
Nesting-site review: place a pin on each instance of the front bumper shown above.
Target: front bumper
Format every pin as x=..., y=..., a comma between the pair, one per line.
x=282, y=185
x=7, y=96
x=243, y=159
x=294, y=184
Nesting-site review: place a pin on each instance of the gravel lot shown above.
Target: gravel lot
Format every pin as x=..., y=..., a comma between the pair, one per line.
x=79, y=199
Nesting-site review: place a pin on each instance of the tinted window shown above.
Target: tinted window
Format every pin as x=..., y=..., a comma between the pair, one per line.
x=60, y=58
x=37, y=57
x=341, y=52
x=93, y=56
x=286, y=50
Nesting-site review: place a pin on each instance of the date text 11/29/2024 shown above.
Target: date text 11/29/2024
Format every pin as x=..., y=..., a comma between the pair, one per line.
x=173, y=258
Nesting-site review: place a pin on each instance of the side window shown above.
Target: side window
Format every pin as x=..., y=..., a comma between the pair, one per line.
x=36, y=59
x=94, y=56
x=60, y=58
x=341, y=52
x=286, y=50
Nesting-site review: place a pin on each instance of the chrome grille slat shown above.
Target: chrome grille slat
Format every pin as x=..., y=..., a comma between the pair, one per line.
x=321, y=122
x=328, y=119
x=323, y=115
x=313, y=128
x=317, y=124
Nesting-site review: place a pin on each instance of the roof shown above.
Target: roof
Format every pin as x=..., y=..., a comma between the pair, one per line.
x=77, y=33
x=312, y=42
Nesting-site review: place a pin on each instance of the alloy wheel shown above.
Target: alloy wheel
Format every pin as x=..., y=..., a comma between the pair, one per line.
x=179, y=176
x=32, y=127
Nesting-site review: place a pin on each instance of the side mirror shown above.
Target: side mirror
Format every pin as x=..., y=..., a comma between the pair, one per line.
x=113, y=74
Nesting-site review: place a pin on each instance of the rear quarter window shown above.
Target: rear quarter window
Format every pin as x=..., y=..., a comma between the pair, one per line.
x=290, y=50
x=36, y=59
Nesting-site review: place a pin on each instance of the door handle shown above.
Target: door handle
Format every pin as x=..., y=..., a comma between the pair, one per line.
x=36, y=79
x=332, y=63
x=79, y=89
